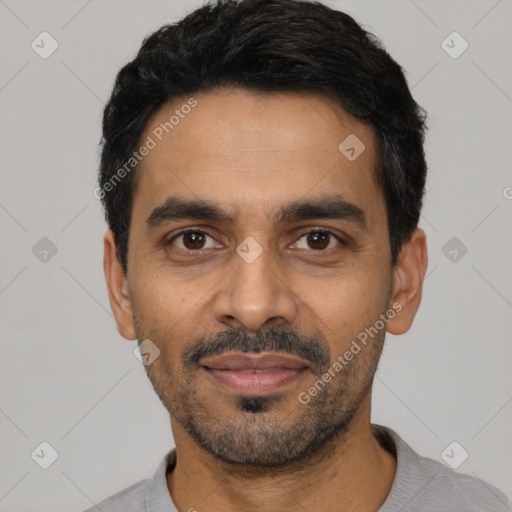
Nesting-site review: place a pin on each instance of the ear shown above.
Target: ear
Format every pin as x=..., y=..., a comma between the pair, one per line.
x=408, y=277
x=117, y=284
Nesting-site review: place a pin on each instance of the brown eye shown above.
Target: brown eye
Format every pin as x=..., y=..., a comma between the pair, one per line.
x=191, y=240
x=318, y=240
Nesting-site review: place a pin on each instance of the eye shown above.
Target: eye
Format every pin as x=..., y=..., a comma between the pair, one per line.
x=192, y=240
x=319, y=240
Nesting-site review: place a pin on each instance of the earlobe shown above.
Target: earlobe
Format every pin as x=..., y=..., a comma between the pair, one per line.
x=117, y=285
x=408, y=277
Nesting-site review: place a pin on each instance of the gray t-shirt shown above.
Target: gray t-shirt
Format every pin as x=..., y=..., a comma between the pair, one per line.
x=421, y=485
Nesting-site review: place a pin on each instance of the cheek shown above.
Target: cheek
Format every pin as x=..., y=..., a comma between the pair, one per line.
x=159, y=300
x=344, y=305
x=167, y=311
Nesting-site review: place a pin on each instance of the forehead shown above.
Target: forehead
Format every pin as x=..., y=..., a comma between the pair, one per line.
x=243, y=149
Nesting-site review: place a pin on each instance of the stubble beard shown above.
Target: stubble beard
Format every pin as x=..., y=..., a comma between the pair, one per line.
x=255, y=435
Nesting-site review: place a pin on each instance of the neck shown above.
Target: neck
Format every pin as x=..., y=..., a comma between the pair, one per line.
x=353, y=470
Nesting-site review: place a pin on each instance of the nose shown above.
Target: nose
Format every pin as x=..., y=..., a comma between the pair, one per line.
x=255, y=294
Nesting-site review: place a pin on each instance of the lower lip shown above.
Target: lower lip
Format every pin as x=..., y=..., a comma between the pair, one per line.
x=256, y=383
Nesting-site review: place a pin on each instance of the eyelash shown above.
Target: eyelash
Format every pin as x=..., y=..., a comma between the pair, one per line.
x=202, y=232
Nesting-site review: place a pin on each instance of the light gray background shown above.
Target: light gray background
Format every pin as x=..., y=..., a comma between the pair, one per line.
x=67, y=376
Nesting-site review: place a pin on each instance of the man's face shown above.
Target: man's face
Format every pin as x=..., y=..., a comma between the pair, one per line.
x=291, y=288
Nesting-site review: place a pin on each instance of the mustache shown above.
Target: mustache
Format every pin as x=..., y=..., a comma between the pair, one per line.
x=274, y=339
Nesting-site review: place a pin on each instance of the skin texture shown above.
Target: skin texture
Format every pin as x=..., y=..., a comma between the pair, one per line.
x=252, y=154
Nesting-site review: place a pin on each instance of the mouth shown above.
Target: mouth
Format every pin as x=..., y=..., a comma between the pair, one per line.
x=252, y=374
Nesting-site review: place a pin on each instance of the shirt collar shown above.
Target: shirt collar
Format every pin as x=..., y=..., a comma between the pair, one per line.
x=406, y=484
x=158, y=498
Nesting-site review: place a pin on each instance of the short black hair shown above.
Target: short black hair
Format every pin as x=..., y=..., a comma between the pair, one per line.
x=268, y=46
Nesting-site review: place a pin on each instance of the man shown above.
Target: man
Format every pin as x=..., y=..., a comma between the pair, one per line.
x=262, y=175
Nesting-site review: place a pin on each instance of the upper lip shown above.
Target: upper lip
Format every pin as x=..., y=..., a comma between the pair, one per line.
x=242, y=361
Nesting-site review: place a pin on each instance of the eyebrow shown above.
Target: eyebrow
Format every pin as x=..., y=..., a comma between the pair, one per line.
x=324, y=207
